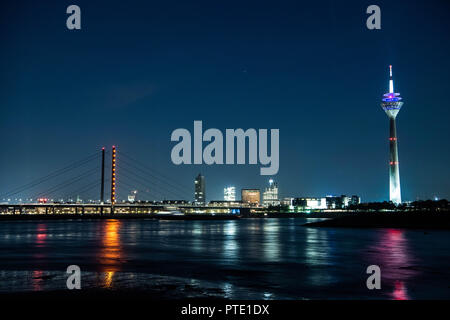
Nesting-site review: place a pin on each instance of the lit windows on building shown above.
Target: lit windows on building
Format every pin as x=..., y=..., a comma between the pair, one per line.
x=200, y=192
x=229, y=194
x=251, y=196
x=270, y=195
x=342, y=202
x=310, y=203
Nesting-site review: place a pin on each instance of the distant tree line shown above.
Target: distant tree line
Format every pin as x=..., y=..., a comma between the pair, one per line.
x=423, y=205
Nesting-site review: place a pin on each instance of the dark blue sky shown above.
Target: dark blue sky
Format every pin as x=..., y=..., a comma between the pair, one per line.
x=140, y=69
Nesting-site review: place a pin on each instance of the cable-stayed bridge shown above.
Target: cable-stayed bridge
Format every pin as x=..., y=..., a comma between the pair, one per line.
x=100, y=184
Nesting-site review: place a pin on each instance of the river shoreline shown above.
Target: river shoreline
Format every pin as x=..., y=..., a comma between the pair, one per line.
x=116, y=216
x=405, y=220
x=421, y=220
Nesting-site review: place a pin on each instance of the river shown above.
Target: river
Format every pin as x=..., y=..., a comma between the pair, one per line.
x=236, y=259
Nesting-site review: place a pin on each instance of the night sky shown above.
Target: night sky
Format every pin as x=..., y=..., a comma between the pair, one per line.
x=137, y=70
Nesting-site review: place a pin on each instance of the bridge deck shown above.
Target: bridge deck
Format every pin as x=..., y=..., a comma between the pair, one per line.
x=105, y=209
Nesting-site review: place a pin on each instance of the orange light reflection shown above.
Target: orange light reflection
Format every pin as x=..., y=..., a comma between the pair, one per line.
x=111, y=253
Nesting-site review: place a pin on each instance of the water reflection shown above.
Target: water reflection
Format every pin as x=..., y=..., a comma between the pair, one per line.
x=230, y=245
x=395, y=259
x=197, y=236
x=37, y=280
x=317, y=253
x=40, y=242
x=228, y=290
x=247, y=258
x=111, y=251
x=271, y=232
x=41, y=235
x=400, y=292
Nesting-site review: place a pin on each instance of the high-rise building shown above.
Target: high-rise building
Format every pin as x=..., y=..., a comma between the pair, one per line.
x=391, y=104
x=200, y=192
x=270, y=194
x=250, y=196
x=229, y=194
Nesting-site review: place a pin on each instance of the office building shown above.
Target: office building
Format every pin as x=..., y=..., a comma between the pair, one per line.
x=251, y=196
x=200, y=192
x=229, y=194
x=270, y=195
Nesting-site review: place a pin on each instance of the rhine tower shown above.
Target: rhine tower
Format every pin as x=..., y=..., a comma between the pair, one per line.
x=391, y=104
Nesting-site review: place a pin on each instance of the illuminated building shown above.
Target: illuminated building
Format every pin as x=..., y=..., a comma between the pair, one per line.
x=132, y=196
x=310, y=203
x=250, y=196
x=287, y=202
x=270, y=195
x=200, y=192
x=355, y=200
x=336, y=202
x=341, y=202
x=391, y=104
x=229, y=194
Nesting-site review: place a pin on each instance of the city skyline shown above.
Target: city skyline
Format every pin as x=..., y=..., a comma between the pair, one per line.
x=148, y=77
x=224, y=158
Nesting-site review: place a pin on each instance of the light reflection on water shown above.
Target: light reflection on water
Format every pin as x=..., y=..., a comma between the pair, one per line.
x=392, y=253
x=37, y=280
x=111, y=251
x=317, y=252
x=230, y=244
x=251, y=258
x=271, y=241
x=41, y=236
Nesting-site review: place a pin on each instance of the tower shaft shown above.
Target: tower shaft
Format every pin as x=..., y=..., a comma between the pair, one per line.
x=102, y=182
x=113, y=176
x=394, y=171
x=391, y=104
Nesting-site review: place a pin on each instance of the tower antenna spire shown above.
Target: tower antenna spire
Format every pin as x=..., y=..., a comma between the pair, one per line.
x=391, y=81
